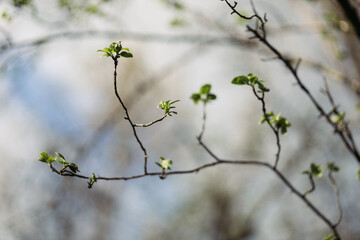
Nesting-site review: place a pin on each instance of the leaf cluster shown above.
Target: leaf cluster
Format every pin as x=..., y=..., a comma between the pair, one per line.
x=167, y=106
x=204, y=95
x=165, y=164
x=92, y=179
x=315, y=170
x=251, y=81
x=20, y=3
x=47, y=158
x=276, y=120
x=115, y=51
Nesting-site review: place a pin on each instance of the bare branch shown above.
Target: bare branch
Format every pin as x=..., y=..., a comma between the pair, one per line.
x=151, y=123
x=128, y=117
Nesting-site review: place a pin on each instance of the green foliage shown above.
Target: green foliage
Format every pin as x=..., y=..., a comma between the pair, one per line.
x=6, y=16
x=46, y=158
x=93, y=9
x=252, y=81
x=278, y=121
x=164, y=163
x=329, y=237
x=315, y=170
x=73, y=167
x=176, y=22
x=358, y=174
x=203, y=95
x=20, y=3
x=61, y=159
x=178, y=6
x=166, y=106
x=115, y=51
x=93, y=178
x=332, y=167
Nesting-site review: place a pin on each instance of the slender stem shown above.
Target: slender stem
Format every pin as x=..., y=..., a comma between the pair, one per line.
x=337, y=194
x=128, y=116
x=203, y=122
x=275, y=130
x=312, y=185
x=151, y=123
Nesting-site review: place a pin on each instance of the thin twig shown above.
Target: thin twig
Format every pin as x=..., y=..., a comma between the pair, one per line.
x=128, y=117
x=151, y=123
x=203, y=122
x=337, y=194
x=287, y=63
x=312, y=186
x=275, y=130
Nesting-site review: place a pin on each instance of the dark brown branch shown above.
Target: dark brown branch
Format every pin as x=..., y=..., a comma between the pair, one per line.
x=293, y=70
x=352, y=15
x=128, y=116
x=275, y=130
x=288, y=65
x=151, y=123
x=312, y=186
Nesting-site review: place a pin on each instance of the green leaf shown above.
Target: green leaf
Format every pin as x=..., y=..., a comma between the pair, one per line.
x=316, y=170
x=205, y=89
x=358, y=174
x=73, y=167
x=21, y=3
x=126, y=54
x=46, y=158
x=43, y=157
x=263, y=88
x=211, y=96
x=177, y=22
x=92, y=9
x=60, y=156
x=240, y=80
x=329, y=237
x=333, y=167
x=196, y=97
x=178, y=6
x=93, y=179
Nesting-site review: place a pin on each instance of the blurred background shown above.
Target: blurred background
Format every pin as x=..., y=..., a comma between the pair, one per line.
x=56, y=94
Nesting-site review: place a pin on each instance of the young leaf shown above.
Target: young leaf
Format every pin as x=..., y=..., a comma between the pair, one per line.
x=196, y=97
x=240, y=80
x=59, y=155
x=316, y=170
x=333, y=167
x=73, y=167
x=46, y=158
x=205, y=89
x=126, y=54
x=329, y=237
x=211, y=96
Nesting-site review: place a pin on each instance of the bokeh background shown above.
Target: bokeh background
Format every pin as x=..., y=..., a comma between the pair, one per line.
x=56, y=95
